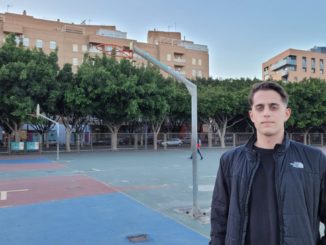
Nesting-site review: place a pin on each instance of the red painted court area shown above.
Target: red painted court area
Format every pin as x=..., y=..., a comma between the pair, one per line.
x=22, y=163
x=33, y=166
x=35, y=190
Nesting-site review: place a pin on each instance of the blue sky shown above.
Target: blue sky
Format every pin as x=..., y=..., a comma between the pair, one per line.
x=240, y=34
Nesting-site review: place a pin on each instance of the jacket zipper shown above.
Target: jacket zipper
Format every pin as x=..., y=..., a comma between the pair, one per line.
x=279, y=206
x=244, y=222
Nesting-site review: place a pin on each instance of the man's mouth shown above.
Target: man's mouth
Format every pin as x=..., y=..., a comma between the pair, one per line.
x=267, y=122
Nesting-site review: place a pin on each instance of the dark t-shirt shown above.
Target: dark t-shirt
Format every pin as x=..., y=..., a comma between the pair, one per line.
x=263, y=226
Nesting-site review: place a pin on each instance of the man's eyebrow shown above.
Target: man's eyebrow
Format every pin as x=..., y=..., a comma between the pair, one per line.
x=269, y=104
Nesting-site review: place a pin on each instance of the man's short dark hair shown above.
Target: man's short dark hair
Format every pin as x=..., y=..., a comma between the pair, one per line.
x=268, y=85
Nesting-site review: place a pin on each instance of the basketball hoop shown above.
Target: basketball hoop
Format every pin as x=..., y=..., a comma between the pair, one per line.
x=115, y=50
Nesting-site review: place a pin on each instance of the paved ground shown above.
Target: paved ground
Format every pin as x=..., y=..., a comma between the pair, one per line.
x=104, y=197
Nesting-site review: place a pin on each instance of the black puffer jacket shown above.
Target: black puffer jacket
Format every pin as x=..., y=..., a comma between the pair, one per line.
x=300, y=187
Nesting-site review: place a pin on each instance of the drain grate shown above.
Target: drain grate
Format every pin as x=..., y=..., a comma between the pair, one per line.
x=138, y=238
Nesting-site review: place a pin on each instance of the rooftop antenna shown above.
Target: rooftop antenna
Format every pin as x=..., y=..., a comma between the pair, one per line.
x=83, y=22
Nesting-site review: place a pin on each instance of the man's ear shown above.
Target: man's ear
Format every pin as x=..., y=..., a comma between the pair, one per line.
x=250, y=115
x=288, y=113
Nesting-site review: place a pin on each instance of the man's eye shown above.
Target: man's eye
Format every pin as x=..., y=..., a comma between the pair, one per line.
x=259, y=108
x=274, y=107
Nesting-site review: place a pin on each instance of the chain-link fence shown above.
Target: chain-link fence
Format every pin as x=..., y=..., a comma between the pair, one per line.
x=104, y=141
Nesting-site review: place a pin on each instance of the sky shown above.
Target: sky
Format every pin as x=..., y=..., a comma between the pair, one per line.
x=240, y=34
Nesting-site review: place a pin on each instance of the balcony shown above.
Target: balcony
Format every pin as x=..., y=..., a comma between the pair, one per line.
x=282, y=63
x=179, y=60
x=284, y=73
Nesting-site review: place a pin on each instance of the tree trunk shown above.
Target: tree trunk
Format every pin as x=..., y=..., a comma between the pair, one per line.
x=136, y=141
x=210, y=136
x=40, y=142
x=46, y=139
x=114, y=137
x=305, y=137
x=78, y=142
x=156, y=127
x=155, y=140
x=68, y=137
x=17, y=135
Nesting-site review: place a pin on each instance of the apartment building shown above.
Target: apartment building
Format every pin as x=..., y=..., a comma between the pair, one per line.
x=294, y=65
x=74, y=40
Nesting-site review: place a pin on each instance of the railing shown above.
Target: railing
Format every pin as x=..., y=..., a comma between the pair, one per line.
x=102, y=141
x=283, y=63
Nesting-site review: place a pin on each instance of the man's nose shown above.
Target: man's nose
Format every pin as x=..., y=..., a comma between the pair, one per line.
x=267, y=112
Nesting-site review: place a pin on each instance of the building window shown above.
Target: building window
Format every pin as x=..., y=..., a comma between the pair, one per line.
x=84, y=48
x=313, y=65
x=26, y=42
x=75, y=61
x=199, y=74
x=168, y=57
x=53, y=45
x=17, y=40
x=39, y=43
x=193, y=73
x=194, y=61
x=199, y=62
x=304, y=64
x=321, y=71
x=321, y=64
x=75, y=48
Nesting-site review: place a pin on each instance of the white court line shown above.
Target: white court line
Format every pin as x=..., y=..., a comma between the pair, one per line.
x=4, y=194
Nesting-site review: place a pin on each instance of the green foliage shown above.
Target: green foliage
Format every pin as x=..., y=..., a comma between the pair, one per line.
x=308, y=104
x=27, y=77
x=117, y=93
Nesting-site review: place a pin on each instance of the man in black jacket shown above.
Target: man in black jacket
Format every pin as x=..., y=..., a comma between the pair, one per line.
x=271, y=191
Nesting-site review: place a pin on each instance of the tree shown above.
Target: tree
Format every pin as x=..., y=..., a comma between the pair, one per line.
x=308, y=104
x=75, y=102
x=116, y=95
x=26, y=77
x=222, y=105
x=155, y=95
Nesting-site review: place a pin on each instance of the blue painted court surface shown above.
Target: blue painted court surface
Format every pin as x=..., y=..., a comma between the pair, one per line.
x=100, y=198
x=101, y=219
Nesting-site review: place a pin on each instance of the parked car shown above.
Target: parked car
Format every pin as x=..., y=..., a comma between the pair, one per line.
x=172, y=141
x=102, y=141
x=186, y=139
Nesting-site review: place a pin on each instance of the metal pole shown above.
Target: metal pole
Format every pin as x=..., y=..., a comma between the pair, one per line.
x=58, y=133
x=57, y=125
x=192, y=89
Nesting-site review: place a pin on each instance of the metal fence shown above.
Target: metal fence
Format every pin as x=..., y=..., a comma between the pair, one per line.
x=138, y=141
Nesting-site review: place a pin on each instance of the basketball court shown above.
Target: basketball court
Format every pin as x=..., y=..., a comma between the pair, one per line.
x=124, y=197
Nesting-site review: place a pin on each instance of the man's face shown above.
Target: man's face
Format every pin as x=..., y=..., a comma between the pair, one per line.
x=269, y=113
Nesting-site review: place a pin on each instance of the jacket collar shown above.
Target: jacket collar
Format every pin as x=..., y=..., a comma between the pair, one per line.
x=278, y=147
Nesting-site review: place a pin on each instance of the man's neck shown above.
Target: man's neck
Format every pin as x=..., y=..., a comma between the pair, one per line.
x=269, y=142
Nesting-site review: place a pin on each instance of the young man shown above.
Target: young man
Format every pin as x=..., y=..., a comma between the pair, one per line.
x=271, y=191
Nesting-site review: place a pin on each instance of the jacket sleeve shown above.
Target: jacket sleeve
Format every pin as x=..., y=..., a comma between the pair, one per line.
x=219, y=208
x=322, y=203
